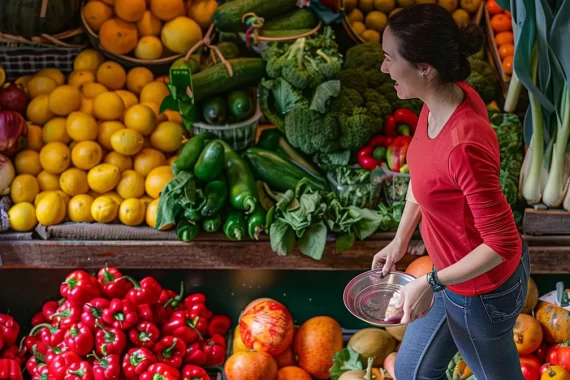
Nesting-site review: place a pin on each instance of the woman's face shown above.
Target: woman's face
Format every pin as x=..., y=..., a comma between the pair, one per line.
x=409, y=80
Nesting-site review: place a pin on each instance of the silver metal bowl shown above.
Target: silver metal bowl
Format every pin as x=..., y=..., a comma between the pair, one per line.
x=367, y=295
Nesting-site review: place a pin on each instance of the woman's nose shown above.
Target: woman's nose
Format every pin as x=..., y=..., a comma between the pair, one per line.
x=384, y=67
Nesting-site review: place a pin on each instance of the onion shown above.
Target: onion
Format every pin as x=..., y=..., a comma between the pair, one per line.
x=6, y=174
x=13, y=132
x=13, y=98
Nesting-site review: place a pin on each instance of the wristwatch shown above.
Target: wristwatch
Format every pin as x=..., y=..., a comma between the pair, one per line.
x=433, y=281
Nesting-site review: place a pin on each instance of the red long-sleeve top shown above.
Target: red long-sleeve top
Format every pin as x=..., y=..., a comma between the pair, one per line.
x=455, y=177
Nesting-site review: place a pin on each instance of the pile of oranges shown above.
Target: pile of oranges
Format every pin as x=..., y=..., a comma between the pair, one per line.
x=501, y=23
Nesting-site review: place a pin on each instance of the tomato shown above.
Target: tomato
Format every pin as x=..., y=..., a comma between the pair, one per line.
x=559, y=355
x=542, y=352
x=530, y=360
x=529, y=371
x=493, y=7
x=555, y=372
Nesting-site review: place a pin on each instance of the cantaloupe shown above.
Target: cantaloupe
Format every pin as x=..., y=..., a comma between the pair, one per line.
x=373, y=343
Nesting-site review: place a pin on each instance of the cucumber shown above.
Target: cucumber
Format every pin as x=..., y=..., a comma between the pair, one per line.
x=283, y=33
x=227, y=17
x=216, y=79
x=303, y=18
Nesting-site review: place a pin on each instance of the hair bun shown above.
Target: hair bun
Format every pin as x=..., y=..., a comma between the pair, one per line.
x=471, y=39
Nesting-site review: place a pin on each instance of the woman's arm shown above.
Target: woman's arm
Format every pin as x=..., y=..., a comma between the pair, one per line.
x=482, y=259
x=411, y=216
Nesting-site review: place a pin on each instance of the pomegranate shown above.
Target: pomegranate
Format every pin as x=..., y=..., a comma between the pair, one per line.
x=13, y=98
x=13, y=132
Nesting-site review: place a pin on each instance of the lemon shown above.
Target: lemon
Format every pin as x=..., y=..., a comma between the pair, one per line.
x=154, y=92
x=103, y=177
x=127, y=142
x=22, y=217
x=157, y=179
x=173, y=116
x=146, y=200
x=167, y=137
x=55, y=130
x=108, y=106
x=86, y=154
x=54, y=74
x=366, y=5
x=119, y=160
x=358, y=27
x=377, y=21
x=40, y=85
x=93, y=194
x=141, y=118
x=88, y=59
x=80, y=78
x=131, y=185
x=81, y=127
x=106, y=130
x=148, y=159
x=150, y=216
x=449, y=5
x=51, y=209
x=370, y=36
x=180, y=34
x=132, y=212
x=38, y=111
x=355, y=15
x=74, y=182
x=104, y=209
x=111, y=75
x=55, y=157
x=91, y=90
x=384, y=5
x=79, y=209
x=461, y=17
x=137, y=78
x=27, y=162
x=114, y=196
x=148, y=47
x=35, y=139
x=48, y=181
x=64, y=100
x=129, y=99
x=86, y=106
x=24, y=188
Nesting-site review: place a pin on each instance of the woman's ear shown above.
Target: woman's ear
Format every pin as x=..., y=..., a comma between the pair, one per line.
x=424, y=69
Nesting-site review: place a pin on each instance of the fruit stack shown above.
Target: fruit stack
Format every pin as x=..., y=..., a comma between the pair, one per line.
x=148, y=29
x=501, y=25
x=97, y=149
x=368, y=18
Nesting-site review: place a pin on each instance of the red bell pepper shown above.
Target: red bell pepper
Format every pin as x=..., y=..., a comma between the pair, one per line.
x=147, y=291
x=194, y=372
x=66, y=315
x=121, y=314
x=160, y=371
x=107, y=367
x=9, y=330
x=15, y=353
x=41, y=373
x=60, y=363
x=49, y=308
x=215, y=349
x=33, y=340
x=373, y=154
x=182, y=326
x=160, y=315
x=402, y=122
x=136, y=361
x=10, y=370
x=542, y=352
x=170, y=350
x=144, y=334
x=219, y=324
x=50, y=335
x=195, y=353
x=171, y=301
x=79, y=339
x=32, y=365
x=193, y=299
x=79, y=371
x=529, y=372
x=38, y=318
x=396, y=155
x=109, y=341
x=80, y=287
x=111, y=288
x=93, y=311
x=200, y=310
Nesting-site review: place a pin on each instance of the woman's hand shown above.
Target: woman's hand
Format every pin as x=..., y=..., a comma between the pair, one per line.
x=417, y=298
x=387, y=258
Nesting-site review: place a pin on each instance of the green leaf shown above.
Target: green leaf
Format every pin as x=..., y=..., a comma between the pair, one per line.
x=314, y=240
x=168, y=103
x=368, y=224
x=345, y=360
x=345, y=242
x=323, y=94
x=282, y=238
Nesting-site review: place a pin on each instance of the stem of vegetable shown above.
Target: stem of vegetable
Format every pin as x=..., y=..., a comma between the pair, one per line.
x=515, y=86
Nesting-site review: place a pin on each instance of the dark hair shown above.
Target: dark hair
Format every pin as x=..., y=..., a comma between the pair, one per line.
x=426, y=33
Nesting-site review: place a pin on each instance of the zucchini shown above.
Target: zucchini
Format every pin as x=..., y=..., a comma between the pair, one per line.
x=303, y=18
x=216, y=79
x=283, y=33
x=227, y=17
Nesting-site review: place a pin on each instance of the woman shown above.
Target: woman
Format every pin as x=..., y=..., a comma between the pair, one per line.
x=481, y=264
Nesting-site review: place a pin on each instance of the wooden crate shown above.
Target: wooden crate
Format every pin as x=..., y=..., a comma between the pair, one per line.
x=494, y=58
x=546, y=222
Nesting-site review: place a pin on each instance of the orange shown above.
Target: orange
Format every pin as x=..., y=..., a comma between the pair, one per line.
x=118, y=36
x=149, y=25
x=64, y=100
x=470, y=6
x=130, y=10
x=358, y=27
x=504, y=38
x=55, y=130
x=148, y=159
x=108, y=106
x=119, y=160
x=293, y=373
x=79, y=208
x=501, y=23
x=493, y=7
x=202, y=12
x=28, y=162
x=127, y=142
x=111, y=75
x=24, y=188
x=137, y=78
x=86, y=154
x=506, y=50
x=132, y=212
x=35, y=139
x=106, y=130
x=48, y=181
x=40, y=85
x=370, y=36
x=81, y=127
x=384, y=5
x=140, y=118
x=167, y=137
x=366, y=5
x=38, y=110
x=131, y=185
x=376, y=20
x=91, y=90
x=507, y=65
x=54, y=74
x=150, y=216
x=449, y=5
x=88, y=59
x=129, y=99
x=154, y=92
x=355, y=15
x=461, y=17
x=166, y=10
x=157, y=179
x=420, y=266
x=286, y=358
x=80, y=77
x=96, y=13
x=149, y=47
x=55, y=157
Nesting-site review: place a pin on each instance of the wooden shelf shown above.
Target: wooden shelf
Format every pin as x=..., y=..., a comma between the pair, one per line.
x=549, y=254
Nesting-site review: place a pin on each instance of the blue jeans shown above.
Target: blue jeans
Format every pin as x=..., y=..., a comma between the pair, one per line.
x=480, y=327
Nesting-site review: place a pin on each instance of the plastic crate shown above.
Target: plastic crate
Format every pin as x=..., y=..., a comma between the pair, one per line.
x=350, y=195
x=394, y=186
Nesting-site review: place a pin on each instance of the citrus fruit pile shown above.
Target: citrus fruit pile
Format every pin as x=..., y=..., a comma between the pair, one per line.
x=501, y=23
x=149, y=29
x=97, y=149
x=368, y=18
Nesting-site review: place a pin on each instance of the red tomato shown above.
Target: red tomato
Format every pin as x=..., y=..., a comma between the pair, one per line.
x=529, y=371
x=559, y=355
x=530, y=360
x=542, y=352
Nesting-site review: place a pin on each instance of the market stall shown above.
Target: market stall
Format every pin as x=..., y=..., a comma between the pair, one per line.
x=246, y=159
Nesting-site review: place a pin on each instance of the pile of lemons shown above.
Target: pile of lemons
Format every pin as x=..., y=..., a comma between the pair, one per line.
x=98, y=150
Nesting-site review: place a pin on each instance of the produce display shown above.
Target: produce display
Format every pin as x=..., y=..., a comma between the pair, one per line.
x=502, y=28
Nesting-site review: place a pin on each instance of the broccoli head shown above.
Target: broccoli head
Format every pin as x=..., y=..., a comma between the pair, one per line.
x=387, y=90
x=346, y=101
x=376, y=78
x=365, y=56
x=310, y=131
x=482, y=79
x=357, y=129
x=353, y=78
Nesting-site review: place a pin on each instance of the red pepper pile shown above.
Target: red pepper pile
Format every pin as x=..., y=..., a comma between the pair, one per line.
x=113, y=327
x=11, y=356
